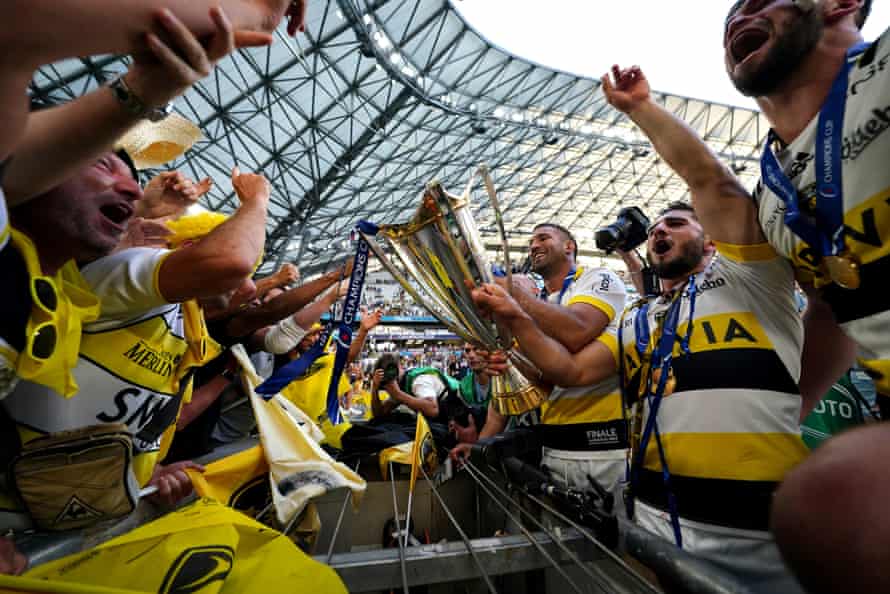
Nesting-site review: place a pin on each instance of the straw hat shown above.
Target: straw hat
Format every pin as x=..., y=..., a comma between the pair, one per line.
x=152, y=144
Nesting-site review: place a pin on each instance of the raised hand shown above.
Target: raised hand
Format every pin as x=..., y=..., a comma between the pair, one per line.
x=495, y=363
x=629, y=91
x=296, y=15
x=376, y=380
x=250, y=187
x=169, y=194
x=370, y=320
x=144, y=233
x=171, y=66
x=287, y=274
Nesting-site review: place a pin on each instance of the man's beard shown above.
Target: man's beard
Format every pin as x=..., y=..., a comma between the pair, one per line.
x=784, y=58
x=689, y=258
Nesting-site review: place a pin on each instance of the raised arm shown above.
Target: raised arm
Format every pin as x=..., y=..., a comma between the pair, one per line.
x=592, y=364
x=297, y=302
x=89, y=27
x=284, y=276
x=724, y=208
x=70, y=135
x=634, y=269
x=220, y=262
x=368, y=322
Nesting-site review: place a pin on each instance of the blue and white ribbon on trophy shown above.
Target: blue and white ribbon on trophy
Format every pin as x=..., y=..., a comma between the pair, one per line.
x=343, y=338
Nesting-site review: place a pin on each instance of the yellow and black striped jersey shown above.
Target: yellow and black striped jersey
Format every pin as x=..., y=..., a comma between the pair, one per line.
x=864, y=313
x=598, y=406
x=732, y=420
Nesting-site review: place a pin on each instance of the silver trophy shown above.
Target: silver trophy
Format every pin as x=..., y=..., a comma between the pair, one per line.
x=437, y=257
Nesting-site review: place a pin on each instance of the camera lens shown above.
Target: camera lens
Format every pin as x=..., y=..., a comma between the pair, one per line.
x=608, y=237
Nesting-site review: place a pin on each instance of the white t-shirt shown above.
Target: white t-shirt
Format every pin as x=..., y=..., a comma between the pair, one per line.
x=126, y=286
x=427, y=385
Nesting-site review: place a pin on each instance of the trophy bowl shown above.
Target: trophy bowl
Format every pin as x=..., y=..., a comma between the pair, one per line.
x=438, y=257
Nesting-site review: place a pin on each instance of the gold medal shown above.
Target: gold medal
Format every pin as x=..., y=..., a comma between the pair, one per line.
x=843, y=270
x=669, y=385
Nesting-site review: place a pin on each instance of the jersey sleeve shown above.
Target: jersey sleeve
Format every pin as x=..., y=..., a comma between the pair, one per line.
x=427, y=385
x=600, y=288
x=126, y=283
x=609, y=339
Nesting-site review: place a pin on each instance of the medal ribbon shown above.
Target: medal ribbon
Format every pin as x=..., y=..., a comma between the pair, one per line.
x=661, y=358
x=566, y=283
x=288, y=373
x=824, y=232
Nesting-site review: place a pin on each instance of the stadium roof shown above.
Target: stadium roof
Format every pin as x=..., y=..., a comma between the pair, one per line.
x=378, y=97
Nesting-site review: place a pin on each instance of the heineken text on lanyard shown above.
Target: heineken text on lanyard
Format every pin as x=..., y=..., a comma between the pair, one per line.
x=824, y=231
x=288, y=373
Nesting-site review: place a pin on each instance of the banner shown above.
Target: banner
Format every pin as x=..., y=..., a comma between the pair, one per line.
x=298, y=468
x=424, y=451
x=205, y=548
x=343, y=336
x=417, y=453
x=309, y=393
x=399, y=454
x=240, y=481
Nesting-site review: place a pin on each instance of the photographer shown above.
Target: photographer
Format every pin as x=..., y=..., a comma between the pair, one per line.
x=715, y=424
x=424, y=390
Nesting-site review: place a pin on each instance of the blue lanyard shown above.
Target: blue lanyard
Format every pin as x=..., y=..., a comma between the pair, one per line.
x=662, y=357
x=288, y=373
x=566, y=283
x=824, y=232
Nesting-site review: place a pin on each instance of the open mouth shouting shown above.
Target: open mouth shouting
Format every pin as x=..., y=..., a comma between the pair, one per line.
x=746, y=43
x=116, y=215
x=661, y=246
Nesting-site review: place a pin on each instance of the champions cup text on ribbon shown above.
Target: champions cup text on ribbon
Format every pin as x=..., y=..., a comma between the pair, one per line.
x=288, y=373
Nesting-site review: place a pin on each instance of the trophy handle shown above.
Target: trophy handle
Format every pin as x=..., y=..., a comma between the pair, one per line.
x=499, y=219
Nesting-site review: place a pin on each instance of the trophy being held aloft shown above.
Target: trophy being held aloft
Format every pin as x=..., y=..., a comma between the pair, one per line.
x=438, y=257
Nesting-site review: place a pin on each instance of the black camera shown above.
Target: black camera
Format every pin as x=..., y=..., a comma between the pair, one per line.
x=390, y=374
x=626, y=233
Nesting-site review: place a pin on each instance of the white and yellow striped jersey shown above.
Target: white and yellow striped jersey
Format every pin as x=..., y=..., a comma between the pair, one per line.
x=730, y=429
x=864, y=313
x=593, y=411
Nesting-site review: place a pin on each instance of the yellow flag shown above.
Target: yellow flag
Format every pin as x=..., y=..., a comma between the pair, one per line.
x=310, y=393
x=205, y=548
x=299, y=469
x=240, y=481
x=398, y=454
x=424, y=451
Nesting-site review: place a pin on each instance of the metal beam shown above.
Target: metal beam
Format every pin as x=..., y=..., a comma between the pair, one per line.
x=448, y=562
x=334, y=177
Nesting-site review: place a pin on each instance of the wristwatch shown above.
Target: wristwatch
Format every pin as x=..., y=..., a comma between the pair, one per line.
x=134, y=104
